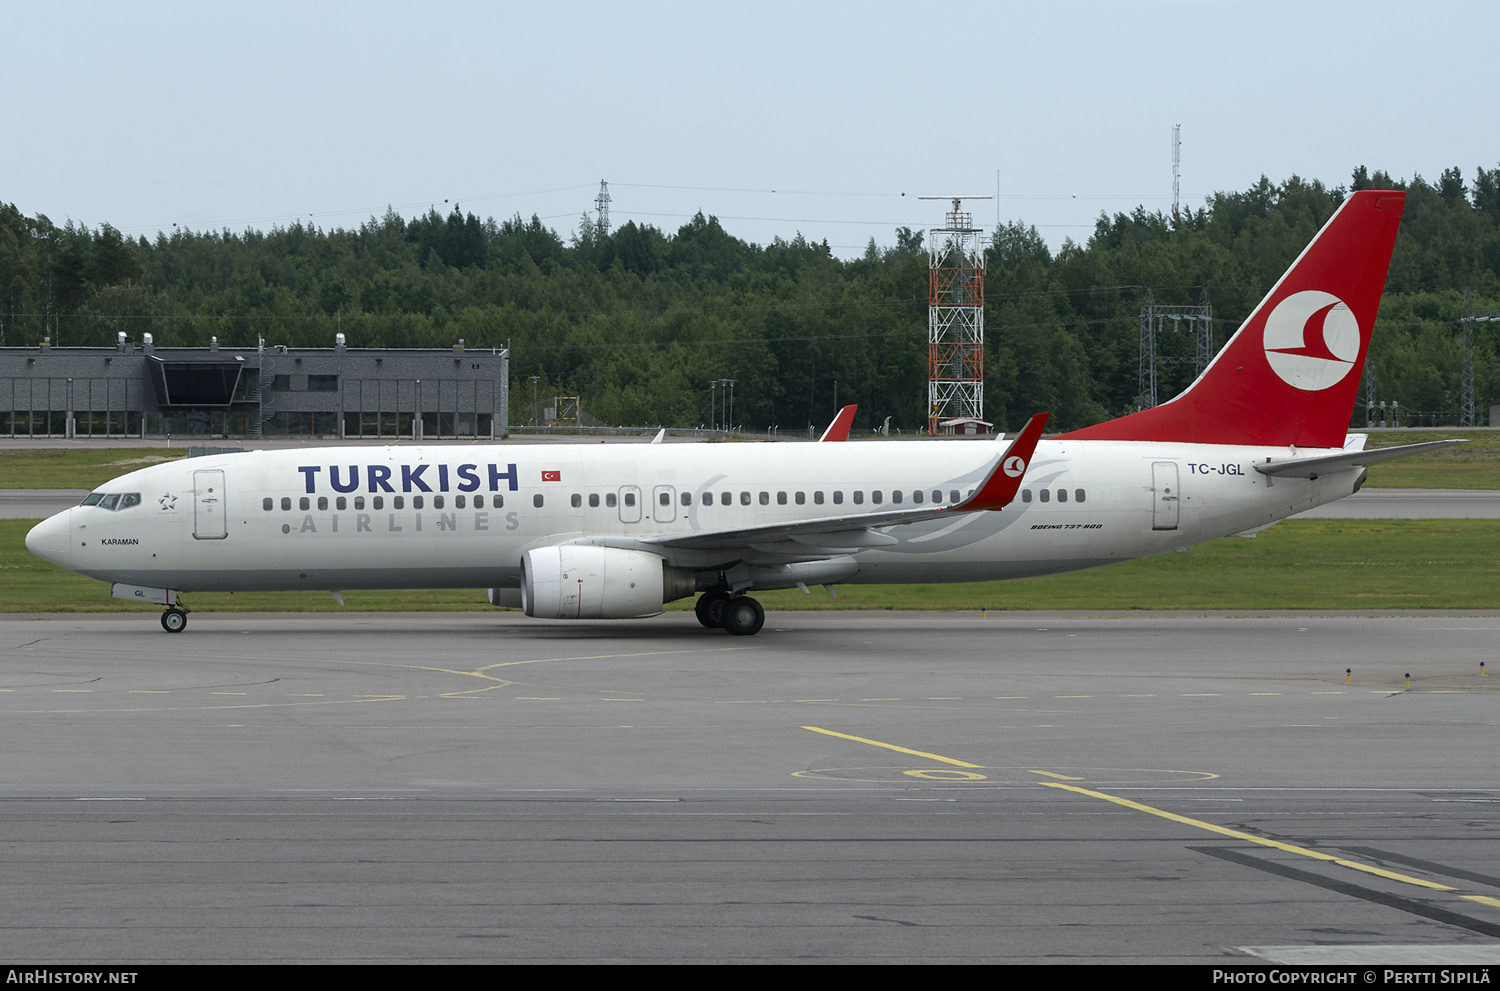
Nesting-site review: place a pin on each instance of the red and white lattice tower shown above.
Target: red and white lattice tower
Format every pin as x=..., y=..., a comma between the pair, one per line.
x=955, y=317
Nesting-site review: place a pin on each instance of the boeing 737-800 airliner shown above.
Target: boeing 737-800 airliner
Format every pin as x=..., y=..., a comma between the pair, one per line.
x=616, y=531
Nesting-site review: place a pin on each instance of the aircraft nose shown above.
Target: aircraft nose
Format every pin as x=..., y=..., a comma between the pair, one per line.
x=52, y=539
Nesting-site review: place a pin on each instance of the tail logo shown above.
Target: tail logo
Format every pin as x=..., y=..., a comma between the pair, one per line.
x=1014, y=466
x=1311, y=340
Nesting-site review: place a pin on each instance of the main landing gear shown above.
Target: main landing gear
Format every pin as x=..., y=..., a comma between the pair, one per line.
x=174, y=620
x=737, y=614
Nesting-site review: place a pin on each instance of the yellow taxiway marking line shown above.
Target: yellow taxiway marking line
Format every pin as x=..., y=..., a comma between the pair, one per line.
x=1251, y=838
x=1062, y=777
x=1483, y=900
x=891, y=746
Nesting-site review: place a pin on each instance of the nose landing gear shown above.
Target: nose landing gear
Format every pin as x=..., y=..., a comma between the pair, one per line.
x=174, y=620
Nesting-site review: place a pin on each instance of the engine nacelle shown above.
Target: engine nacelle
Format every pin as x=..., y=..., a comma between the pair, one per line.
x=581, y=581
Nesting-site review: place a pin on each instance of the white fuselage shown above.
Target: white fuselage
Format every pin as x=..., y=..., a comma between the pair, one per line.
x=462, y=517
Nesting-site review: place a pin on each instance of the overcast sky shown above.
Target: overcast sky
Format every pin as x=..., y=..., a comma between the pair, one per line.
x=823, y=118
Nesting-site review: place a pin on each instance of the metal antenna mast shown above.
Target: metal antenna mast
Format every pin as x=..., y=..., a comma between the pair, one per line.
x=1176, y=161
x=955, y=317
x=601, y=203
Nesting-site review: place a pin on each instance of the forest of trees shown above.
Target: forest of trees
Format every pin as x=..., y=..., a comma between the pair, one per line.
x=637, y=321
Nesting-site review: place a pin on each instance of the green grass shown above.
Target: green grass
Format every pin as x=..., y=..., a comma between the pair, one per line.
x=63, y=468
x=1475, y=465
x=1300, y=564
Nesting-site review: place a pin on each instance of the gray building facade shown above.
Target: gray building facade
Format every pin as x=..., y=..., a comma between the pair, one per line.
x=140, y=390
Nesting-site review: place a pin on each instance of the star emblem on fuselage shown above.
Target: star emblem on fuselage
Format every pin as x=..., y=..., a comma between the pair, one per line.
x=167, y=502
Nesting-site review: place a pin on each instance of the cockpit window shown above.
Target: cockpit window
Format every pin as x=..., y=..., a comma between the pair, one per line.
x=112, y=501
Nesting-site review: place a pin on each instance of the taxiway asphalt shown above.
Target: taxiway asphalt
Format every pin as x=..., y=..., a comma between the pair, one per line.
x=844, y=787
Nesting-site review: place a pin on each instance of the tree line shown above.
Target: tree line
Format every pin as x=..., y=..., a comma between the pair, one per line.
x=637, y=321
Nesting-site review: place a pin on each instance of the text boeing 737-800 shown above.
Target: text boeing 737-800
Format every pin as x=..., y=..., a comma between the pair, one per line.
x=609, y=532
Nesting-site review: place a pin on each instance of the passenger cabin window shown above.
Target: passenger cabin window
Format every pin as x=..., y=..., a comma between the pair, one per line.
x=342, y=503
x=323, y=503
x=536, y=500
x=859, y=497
x=801, y=498
x=359, y=503
x=1044, y=494
x=953, y=496
x=629, y=499
x=437, y=502
x=479, y=501
x=416, y=502
x=459, y=501
x=1025, y=495
x=609, y=500
x=267, y=504
x=838, y=498
x=1078, y=495
x=744, y=498
x=593, y=500
x=1062, y=495
x=687, y=498
x=765, y=498
x=665, y=498
x=781, y=498
x=303, y=504
x=286, y=504
x=378, y=502
x=818, y=498
x=576, y=500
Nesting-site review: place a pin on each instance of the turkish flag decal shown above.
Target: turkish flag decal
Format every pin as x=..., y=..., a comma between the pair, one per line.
x=552, y=476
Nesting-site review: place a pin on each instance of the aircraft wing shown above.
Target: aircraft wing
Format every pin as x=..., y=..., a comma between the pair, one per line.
x=823, y=536
x=1313, y=467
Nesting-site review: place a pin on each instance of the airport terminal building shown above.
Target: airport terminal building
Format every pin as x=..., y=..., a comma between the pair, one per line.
x=140, y=390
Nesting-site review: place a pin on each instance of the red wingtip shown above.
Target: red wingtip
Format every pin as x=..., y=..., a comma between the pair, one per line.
x=1005, y=478
x=839, y=429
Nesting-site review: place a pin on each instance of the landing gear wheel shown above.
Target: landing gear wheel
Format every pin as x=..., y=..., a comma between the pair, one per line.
x=710, y=608
x=174, y=620
x=743, y=616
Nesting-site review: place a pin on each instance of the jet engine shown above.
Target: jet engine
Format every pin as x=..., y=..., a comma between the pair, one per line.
x=582, y=581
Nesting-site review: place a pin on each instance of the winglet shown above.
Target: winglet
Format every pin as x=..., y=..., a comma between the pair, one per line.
x=839, y=428
x=1005, y=478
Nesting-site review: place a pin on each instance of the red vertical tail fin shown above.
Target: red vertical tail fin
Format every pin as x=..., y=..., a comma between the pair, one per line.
x=1290, y=374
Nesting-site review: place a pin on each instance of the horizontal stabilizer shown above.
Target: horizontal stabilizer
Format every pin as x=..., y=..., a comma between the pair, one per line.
x=1313, y=467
